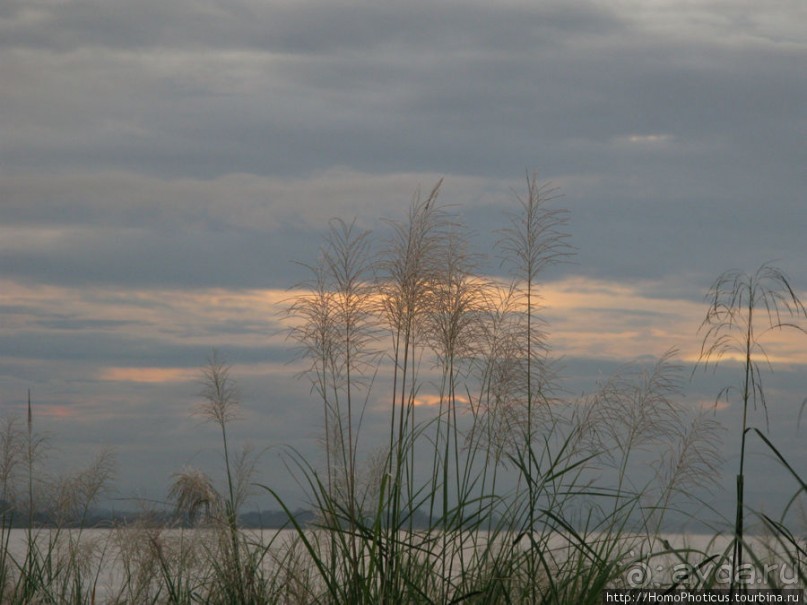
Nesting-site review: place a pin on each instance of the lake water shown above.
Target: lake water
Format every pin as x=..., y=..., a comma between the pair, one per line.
x=108, y=556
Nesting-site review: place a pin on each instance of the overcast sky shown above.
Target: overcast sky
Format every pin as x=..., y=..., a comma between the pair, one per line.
x=164, y=164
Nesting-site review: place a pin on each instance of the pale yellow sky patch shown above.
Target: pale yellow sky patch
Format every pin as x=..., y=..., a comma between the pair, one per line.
x=713, y=405
x=644, y=140
x=586, y=317
x=433, y=400
x=192, y=316
x=599, y=318
x=56, y=411
x=147, y=375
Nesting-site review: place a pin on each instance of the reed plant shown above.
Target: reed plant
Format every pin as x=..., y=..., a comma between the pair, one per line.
x=59, y=564
x=235, y=562
x=743, y=308
x=506, y=506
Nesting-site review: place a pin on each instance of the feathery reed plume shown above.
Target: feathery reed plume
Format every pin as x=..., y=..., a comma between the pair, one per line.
x=499, y=368
x=220, y=404
x=314, y=328
x=194, y=495
x=219, y=393
x=637, y=407
x=690, y=462
x=335, y=326
x=533, y=241
x=347, y=264
x=77, y=492
x=407, y=270
x=451, y=331
x=12, y=456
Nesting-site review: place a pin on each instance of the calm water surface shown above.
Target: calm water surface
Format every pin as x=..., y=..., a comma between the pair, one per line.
x=111, y=554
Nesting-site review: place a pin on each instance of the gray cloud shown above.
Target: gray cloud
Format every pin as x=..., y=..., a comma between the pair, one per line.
x=482, y=91
x=645, y=125
x=307, y=28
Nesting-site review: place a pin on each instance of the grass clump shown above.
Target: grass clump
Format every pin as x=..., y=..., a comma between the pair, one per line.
x=59, y=563
x=503, y=489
